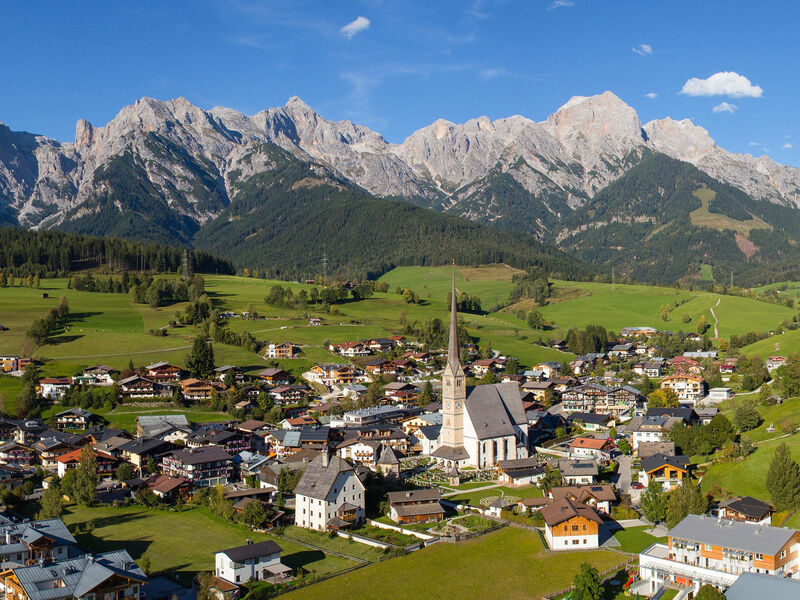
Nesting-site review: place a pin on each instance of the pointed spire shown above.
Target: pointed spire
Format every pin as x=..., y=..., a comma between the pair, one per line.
x=452, y=348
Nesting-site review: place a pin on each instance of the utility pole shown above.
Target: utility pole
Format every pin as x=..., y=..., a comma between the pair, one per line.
x=324, y=266
x=613, y=281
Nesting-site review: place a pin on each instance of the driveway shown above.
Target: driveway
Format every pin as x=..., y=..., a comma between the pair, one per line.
x=622, y=478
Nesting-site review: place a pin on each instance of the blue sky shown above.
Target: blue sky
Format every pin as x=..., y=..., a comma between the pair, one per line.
x=398, y=66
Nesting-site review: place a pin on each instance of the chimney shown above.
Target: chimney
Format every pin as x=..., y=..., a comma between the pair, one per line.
x=325, y=458
x=8, y=536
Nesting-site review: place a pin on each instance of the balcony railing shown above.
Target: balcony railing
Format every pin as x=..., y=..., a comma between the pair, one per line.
x=656, y=558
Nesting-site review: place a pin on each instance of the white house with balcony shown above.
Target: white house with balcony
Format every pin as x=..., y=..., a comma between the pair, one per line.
x=254, y=561
x=706, y=550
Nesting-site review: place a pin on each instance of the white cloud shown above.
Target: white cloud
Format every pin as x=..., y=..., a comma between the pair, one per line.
x=561, y=4
x=753, y=144
x=725, y=107
x=725, y=83
x=493, y=73
x=354, y=27
x=786, y=146
x=643, y=49
x=651, y=95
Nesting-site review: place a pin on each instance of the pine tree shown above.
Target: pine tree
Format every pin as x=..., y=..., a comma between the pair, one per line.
x=587, y=585
x=86, y=477
x=783, y=479
x=654, y=502
x=687, y=499
x=200, y=362
x=51, y=504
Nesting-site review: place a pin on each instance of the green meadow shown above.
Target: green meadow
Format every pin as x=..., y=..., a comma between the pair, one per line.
x=110, y=329
x=509, y=563
x=748, y=477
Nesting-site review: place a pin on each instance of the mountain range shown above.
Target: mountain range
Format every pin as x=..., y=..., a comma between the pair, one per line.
x=170, y=171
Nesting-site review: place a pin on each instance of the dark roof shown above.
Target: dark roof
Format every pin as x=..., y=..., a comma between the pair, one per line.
x=748, y=506
x=590, y=418
x=424, y=508
x=680, y=412
x=577, y=467
x=655, y=461
x=423, y=495
x=202, y=455
x=518, y=463
x=143, y=445
x=430, y=431
x=242, y=553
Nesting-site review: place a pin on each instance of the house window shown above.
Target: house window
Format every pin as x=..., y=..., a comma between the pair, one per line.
x=783, y=553
x=759, y=557
x=707, y=547
x=575, y=542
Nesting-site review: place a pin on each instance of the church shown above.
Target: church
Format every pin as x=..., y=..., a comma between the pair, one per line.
x=481, y=425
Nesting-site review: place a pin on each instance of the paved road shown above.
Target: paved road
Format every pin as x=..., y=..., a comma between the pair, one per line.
x=622, y=478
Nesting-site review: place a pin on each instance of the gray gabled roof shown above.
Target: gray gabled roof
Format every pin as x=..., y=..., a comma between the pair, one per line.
x=243, y=553
x=317, y=480
x=78, y=576
x=494, y=409
x=736, y=535
x=576, y=468
x=759, y=586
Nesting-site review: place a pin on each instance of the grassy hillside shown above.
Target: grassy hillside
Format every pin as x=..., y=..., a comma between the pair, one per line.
x=110, y=329
x=749, y=476
x=487, y=568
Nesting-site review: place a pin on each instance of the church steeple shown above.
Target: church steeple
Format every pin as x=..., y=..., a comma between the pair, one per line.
x=453, y=359
x=454, y=395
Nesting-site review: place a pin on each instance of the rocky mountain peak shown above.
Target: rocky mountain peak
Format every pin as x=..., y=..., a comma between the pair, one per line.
x=594, y=120
x=681, y=139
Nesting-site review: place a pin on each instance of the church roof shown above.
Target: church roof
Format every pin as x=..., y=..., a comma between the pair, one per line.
x=388, y=457
x=494, y=409
x=451, y=453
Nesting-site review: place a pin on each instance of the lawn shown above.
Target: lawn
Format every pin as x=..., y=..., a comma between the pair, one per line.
x=184, y=541
x=636, y=539
x=334, y=544
x=474, y=498
x=784, y=343
x=508, y=563
x=748, y=478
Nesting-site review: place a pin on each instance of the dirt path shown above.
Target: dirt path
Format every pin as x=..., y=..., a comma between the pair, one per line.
x=716, y=320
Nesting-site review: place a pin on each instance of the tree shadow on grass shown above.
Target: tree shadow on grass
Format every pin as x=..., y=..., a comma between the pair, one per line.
x=298, y=560
x=136, y=548
x=75, y=317
x=62, y=339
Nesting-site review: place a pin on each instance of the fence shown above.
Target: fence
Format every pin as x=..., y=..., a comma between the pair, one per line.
x=426, y=537
x=604, y=575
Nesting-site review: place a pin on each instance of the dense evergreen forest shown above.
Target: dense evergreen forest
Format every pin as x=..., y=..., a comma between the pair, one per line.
x=642, y=225
x=283, y=221
x=56, y=254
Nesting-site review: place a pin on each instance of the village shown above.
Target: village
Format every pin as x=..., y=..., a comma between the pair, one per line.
x=397, y=448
